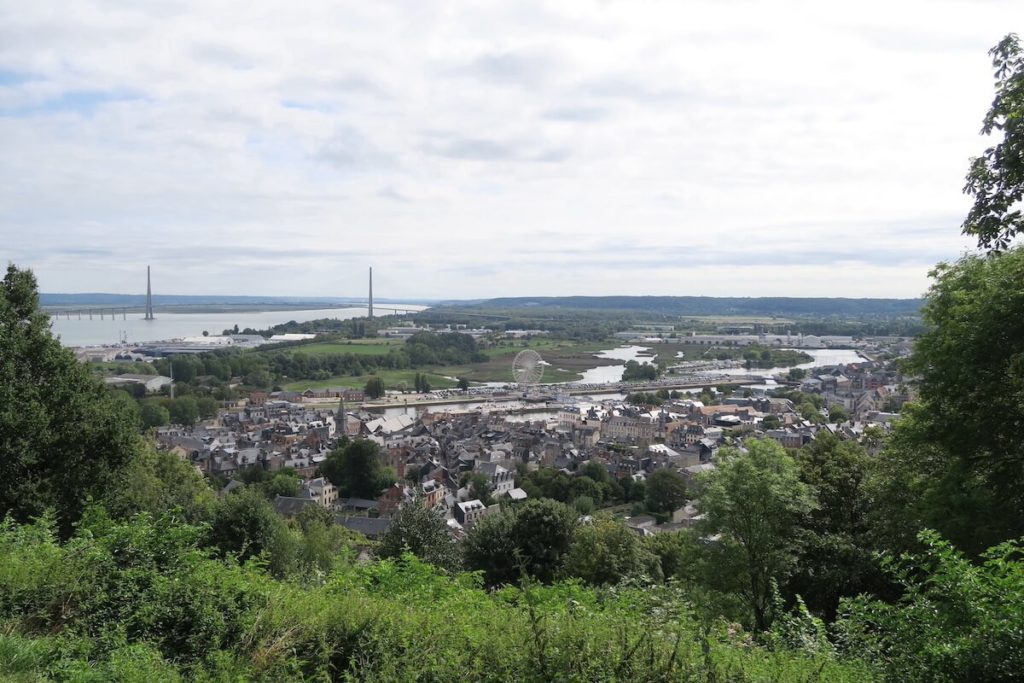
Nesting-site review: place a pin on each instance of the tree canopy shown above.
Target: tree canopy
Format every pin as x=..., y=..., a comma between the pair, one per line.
x=422, y=532
x=356, y=470
x=996, y=178
x=755, y=499
x=63, y=436
x=532, y=539
x=968, y=417
x=666, y=491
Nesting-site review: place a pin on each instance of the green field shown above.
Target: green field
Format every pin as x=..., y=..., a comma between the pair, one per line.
x=537, y=344
x=362, y=347
x=567, y=360
x=393, y=379
x=697, y=352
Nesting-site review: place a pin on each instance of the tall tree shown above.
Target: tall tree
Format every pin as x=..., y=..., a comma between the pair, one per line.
x=356, y=470
x=184, y=411
x=531, y=538
x=374, y=387
x=157, y=483
x=996, y=178
x=755, y=500
x=422, y=532
x=244, y=524
x=961, y=448
x=605, y=551
x=153, y=414
x=666, y=491
x=835, y=558
x=63, y=436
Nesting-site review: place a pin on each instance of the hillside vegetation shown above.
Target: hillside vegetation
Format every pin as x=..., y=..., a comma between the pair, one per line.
x=139, y=601
x=718, y=306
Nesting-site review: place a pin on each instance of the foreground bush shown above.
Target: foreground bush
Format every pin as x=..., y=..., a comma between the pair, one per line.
x=140, y=601
x=956, y=621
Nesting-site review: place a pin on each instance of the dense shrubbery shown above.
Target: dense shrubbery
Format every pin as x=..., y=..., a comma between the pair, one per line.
x=635, y=372
x=141, y=600
x=956, y=621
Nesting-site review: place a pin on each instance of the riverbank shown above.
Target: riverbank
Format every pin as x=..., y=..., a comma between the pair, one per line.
x=133, y=329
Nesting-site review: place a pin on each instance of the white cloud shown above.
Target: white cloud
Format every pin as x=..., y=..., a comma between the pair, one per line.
x=468, y=150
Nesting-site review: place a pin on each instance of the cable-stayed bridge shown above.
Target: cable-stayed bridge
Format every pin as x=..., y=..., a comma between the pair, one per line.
x=120, y=312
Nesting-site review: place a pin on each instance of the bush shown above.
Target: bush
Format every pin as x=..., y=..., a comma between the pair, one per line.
x=957, y=621
x=139, y=600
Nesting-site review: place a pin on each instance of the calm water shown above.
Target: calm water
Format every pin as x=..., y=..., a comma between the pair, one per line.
x=821, y=357
x=607, y=374
x=85, y=332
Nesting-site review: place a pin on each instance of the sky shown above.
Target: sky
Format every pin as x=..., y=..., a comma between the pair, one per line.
x=479, y=149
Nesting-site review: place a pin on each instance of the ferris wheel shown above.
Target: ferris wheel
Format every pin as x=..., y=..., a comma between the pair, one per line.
x=527, y=368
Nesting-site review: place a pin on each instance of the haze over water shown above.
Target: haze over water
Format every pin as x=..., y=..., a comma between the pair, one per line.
x=85, y=332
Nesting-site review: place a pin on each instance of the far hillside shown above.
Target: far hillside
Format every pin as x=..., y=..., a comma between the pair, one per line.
x=720, y=306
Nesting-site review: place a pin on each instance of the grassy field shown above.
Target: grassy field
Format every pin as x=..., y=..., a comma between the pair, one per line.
x=567, y=360
x=696, y=352
x=393, y=379
x=362, y=347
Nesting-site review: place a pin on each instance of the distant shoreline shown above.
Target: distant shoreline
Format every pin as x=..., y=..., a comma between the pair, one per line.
x=205, y=308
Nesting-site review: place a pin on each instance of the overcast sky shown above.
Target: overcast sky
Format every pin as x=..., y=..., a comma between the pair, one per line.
x=491, y=148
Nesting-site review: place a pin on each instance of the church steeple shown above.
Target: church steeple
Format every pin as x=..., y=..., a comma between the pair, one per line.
x=342, y=426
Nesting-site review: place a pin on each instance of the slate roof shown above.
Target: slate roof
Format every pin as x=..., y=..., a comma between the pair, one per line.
x=371, y=527
x=289, y=507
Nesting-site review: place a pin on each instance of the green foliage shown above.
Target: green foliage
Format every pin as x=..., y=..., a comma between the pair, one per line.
x=424, y=533
x=259, y=379
x=809, y=412
x=996, y=178
x=448, y=348
x=838, y=413
x=605, y=551
x=206, y=407
x=527, y=540
x=583, y=504
x=156, y=483
x=548, y=482
x=185, y=368
x=420, y=383
x=666, y=491
x=835, y=558
x=63, y=436
x=138, y=601
x=956, y=620
x=966, y=434
x=641, y=398
x=184, y=411
x=152, y=414
x=755, y=500
x=635, y=372
x=374, y=387
x=478, y=484
x=282, y=484
x=356, y=470
x=244, y=524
